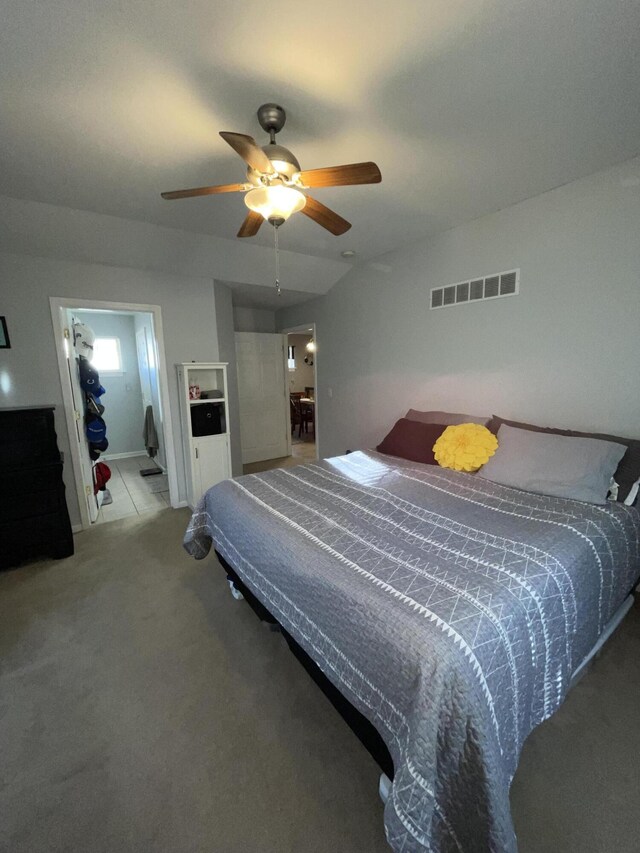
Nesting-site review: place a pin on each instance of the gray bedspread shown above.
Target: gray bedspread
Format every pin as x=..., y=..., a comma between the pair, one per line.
x=449, y=610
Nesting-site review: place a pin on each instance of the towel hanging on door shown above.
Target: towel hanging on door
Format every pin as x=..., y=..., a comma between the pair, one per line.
x=149, y=433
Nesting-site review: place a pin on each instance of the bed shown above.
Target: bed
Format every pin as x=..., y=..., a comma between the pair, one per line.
x=451, y=612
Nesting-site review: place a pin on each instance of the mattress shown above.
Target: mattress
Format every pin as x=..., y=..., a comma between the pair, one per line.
x=449, y=610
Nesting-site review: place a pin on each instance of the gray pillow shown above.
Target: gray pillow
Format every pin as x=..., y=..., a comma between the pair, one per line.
x=446, y=418
x=575, y=468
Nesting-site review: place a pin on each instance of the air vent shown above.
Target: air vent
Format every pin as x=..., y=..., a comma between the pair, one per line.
x=462, y=292
x=489, y=287
x=477, y=289
x=508, y=281
x=449, y=295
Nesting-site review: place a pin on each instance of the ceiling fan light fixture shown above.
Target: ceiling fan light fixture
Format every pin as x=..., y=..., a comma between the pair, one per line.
x=275, y=202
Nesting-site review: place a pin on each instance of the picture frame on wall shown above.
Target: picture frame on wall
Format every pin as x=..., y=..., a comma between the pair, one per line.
x=5, y=343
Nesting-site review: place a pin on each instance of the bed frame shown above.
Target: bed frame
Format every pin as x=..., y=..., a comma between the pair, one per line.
x=357, y=722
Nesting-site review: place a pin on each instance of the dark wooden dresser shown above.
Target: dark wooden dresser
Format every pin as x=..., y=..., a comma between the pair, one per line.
x=34, y=521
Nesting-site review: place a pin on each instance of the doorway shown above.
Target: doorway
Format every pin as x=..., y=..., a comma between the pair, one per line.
x=127, y=405
x=278, y=399
x=301, y=375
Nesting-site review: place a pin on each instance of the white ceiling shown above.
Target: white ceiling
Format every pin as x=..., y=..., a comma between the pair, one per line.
x=466, y=105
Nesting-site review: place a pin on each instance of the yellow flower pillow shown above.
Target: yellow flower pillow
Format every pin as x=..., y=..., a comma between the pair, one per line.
x=465, y=447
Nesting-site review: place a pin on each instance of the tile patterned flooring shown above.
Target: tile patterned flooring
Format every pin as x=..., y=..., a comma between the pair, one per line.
x=131, y=493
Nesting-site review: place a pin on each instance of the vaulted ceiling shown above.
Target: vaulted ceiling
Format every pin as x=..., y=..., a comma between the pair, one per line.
x=466, y=105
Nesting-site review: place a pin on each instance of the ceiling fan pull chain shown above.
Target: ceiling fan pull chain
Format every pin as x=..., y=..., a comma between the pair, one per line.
x=275, y=228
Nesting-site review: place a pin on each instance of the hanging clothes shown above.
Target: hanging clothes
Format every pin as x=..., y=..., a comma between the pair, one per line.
x=150, y=434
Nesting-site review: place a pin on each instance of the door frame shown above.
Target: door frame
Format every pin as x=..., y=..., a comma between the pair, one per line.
x=301, y=328
x=141, y=335
x=58, y=305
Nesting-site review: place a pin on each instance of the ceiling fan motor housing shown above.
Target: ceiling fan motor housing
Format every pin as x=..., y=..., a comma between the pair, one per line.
x=284, y=161
x=271, y=117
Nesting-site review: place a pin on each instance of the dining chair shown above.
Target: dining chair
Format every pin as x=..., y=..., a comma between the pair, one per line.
x=298, y=415
x=308, y=415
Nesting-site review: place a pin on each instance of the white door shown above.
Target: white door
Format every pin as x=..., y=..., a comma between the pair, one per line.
x=264, y=401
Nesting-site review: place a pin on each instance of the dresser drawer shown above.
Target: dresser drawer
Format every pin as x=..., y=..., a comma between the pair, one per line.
x=44, y=536
x=27, y=504
x=27, y=438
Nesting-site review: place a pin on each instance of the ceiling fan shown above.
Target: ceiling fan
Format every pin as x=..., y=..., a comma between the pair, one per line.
x=275, y=182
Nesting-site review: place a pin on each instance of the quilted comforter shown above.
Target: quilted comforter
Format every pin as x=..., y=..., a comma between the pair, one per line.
x=449, y=610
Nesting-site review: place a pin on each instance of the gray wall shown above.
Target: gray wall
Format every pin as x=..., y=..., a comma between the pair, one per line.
x=29, y=371
x=123, y=400
x=254, y=320
x=565, y=352
x=47, y=230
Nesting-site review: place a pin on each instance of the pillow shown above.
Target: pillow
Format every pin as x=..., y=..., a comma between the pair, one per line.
x=412, y=440
x=446, y=418
x=556, y=465
x=465, y=447
x=626, y=474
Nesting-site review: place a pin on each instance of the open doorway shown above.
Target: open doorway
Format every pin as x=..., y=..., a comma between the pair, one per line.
x=301, y=375
x=113, y=373
x=272, y=371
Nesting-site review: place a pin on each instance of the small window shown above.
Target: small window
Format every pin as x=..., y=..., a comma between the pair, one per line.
x=106, y=355
x=291, y=358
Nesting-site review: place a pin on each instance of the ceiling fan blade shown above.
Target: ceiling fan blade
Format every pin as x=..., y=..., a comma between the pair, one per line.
x=222, y=188
x=342, y=176
x=325, y=216
x=249, y=150
x=251, y=225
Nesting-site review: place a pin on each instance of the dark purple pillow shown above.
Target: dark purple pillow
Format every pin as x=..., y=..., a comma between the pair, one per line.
x=628, y=470
x=412, y=440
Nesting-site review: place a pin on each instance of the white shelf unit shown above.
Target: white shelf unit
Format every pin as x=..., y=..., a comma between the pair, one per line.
x=207, y=458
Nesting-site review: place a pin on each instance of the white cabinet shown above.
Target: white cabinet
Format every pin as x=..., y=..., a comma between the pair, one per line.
x=205, y=426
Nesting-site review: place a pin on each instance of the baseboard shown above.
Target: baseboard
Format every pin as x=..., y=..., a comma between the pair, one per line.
x=179, y=505
x=109, y=456
x=77, y=528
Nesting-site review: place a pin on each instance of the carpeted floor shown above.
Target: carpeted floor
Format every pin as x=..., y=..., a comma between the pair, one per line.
x=143, y=709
